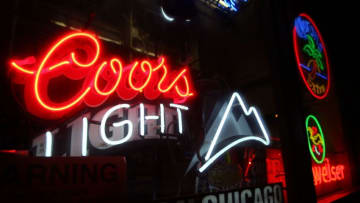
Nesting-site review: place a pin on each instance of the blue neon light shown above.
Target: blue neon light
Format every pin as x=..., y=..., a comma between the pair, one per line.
x=231, y=4
x=303, y=28
x=318, y=74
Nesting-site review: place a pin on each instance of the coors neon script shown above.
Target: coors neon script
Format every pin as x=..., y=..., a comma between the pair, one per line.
x=78, y=57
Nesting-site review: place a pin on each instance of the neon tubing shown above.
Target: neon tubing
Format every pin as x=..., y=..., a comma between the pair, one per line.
x=59, y=64
x=84, y=137
x=140, y=89
x=317, y=152
x=296, y=48
x=247, y=112
x=322, y=137
x=142, y=120
x=327, y=172
x=162, y=61
x=187, y=89
x=118, y=124
x=151, y=117
x=168, y=18
x=114, y=71
x=51, y=66
x=32, y=72
x=21, y=68
x=63, y=107
x=36, y=85
x=318, y=74
x=73, y=54
x=162, y=119
x=173, y=83
x=180, y=121
x=313, y=52
x=178, y=107
x=230, y=5
x=48, y=145
x=225, y=149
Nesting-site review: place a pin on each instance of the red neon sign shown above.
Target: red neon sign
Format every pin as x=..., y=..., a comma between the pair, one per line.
x=327, y=173
x=77, y=56
x=312, y=59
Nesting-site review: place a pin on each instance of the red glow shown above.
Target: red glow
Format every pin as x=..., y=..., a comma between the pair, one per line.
x=64, y=59
x=15, y=152
x=21, y=69
x=140, y=89
x=299, y=63
x=275, y=167
x=326, y=173
x=59, y=64
x=10, y=151
x=114, y=71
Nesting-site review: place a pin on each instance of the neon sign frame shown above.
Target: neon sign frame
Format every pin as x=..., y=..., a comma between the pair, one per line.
x=64, y=59
x=320, y=135
x=313, y=52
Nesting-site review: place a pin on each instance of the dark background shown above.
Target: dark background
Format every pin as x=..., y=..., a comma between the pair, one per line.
x=337, y=22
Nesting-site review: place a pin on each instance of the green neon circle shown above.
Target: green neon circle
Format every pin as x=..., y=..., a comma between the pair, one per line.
x=322, y=137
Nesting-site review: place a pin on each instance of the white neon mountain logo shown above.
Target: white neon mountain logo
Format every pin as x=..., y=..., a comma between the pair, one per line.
x=231, y=129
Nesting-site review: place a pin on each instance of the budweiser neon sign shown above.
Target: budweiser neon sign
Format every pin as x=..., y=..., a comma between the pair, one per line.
x=78, y=57
x=327, y=173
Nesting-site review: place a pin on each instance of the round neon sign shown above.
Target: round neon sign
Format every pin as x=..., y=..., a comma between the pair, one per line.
x=311, y=56
x=315, y=139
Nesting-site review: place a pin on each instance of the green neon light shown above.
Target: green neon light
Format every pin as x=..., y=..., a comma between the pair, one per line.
x=313, y=52
x=308, y=138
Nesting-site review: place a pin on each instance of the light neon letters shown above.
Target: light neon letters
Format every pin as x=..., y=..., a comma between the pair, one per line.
x=84, y=137
x=113, y=126
x=77, y=56
x=178, y=109
x=168, y=18
x=327, y=173
x=49, y=144
x=118, y=124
